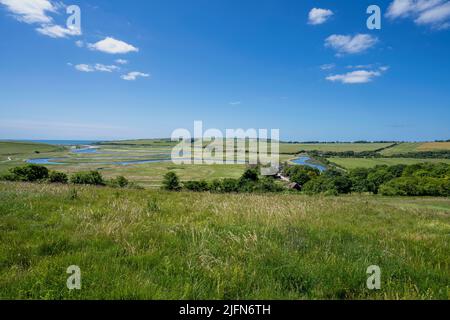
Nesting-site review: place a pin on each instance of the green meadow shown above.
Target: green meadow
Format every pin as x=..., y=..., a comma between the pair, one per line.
x=352, y=163
x=153, y=244
x=144, y=244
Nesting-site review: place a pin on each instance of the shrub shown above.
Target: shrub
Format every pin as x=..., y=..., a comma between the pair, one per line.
x=268, y=184
x=89, y=178
x=332, y=183
x=378, y=177
x=359, y=180
x=57, y=177
x=29, y=173
x=416, y=186
x=8, y=177
x=215, y=186
x=171, y=182
x=250, y=175
x=230, y=185
x=197, y=186
x=120, y=182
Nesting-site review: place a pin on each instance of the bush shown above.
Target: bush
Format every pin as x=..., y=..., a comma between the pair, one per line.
x=230, y=185
x=171, y=182
x=8, y=177
x=415, y=186
x=197, y=186
x=359, y=180
x=331, y=183
x=268, y=184
x=378, y=177
x=215, y=186
x=29, y=173
x=250, y=175
x=57, y=177
x=120, y=182
x=88, y=178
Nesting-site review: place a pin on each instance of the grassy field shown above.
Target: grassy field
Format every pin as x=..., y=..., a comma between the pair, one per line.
x=137, y=244
x=416, y=147
x=352, y=163
x=18, y=149
x=334, y=147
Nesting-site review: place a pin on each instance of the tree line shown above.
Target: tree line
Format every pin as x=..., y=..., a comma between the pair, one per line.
x=424, y=179
x=36, y=173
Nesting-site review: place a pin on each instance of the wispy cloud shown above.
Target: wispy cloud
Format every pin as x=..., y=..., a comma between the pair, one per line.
x=112, y=46
x=30, y=11
x=84, y=68
x=434, y=13
x=132, y=76
x=358, y=76
x=319, y=16
x=121, y=61
x=347, y=44
x=97, y=67
x=56, y=31
x=103, y=68
x=328, y=66
x=360, y=66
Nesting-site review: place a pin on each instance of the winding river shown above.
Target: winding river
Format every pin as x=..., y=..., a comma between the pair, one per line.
x=303, y=160
x=306, y=161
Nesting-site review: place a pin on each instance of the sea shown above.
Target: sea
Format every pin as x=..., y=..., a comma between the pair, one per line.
x=61, y=142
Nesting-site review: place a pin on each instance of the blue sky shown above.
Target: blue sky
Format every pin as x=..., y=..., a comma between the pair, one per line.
x=315, y=74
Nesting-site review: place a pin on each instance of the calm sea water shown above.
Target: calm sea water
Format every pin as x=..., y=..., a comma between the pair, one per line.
x=63, y=142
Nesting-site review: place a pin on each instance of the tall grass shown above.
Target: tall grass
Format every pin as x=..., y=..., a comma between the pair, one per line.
x=140, y=244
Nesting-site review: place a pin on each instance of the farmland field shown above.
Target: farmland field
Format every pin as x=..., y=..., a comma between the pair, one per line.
x=352, y=163
x=335, y=147
x=416, y=147
x=143, y=244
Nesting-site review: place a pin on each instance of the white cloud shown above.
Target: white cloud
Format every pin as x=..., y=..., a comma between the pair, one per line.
x=30, y=11
x=328, y=66
x=102, y=68
x=122, y=61
x=113, y=46
x=84, y=68
x=438, y=16
x=134, y=75
x=235, y=103
x=55, y=31
x=319, y=16
x=346, y=44
x=37, y=12
x=360, y=66
x=434, y=13
x=97, y=67
x=79, y=44
x=358, y=76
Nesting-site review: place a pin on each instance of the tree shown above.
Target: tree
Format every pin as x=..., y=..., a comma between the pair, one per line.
x=378, y=177
x=30, y=173
x=250, y=175
x=171, y=182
